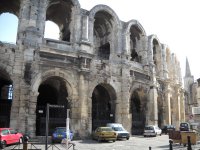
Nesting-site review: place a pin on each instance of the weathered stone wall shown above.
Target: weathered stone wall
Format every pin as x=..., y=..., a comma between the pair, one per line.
x=34, y=59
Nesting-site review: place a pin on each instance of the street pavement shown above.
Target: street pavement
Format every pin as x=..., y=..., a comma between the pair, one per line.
x=134, y=143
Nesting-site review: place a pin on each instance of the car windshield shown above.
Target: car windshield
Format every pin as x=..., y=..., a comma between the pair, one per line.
x=106, y=129
x=60, y=130
x=184, y=125
x=149, y=128
x=118, y=128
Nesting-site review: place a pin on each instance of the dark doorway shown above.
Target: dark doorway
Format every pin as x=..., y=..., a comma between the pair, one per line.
x=103, y=106
x=6, y=97
x=54, y=92
x=138, y=114
x=104, y=51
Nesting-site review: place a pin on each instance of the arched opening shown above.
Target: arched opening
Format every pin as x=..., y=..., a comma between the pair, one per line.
x=54, y=92
x=138, y=109
x=49, y=33
x=103, y=105
x=8, y=27
x=157, y=56
x=6, y=97
x=102, y=34
x=60, y=11
x=135, y=34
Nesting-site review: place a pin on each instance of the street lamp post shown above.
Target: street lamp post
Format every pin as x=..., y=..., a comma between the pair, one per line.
x=67, y=129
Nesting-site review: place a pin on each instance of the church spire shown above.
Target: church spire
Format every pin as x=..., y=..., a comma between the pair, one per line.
x=187, y=69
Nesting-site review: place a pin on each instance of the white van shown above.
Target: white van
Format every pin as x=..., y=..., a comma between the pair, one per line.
x=119, y=129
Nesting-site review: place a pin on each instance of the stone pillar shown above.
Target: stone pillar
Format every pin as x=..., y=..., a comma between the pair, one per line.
x=91, y=30
x=182, y=106
x=31, y=126
x=75, y=24
x=153, y=106
x=167, y=104
x=124, y=107
x=85, y=28
x=177, y=106
x=83, y=88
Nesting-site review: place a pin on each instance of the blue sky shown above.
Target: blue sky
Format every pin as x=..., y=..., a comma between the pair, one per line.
x=175, y=22
x=9, y=25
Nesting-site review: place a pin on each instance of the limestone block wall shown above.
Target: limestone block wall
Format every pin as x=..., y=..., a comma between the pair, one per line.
x=33, y=60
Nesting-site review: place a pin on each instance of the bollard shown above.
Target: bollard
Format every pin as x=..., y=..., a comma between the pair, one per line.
x=25, y=142
x=170, y=145
x=189, y=143
x=149, y=147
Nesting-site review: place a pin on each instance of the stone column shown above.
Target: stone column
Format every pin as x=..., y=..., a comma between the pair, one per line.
x=124, y=107
x=31, y=124
x=182, y=106
x=83, y=98
x=91, y=30
x=85, y=28
x=167, y=117
x=177, y=106
x=153, y=106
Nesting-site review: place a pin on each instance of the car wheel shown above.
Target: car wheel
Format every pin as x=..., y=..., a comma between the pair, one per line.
x=3, y=144
x=114, y=140
x=127, y=138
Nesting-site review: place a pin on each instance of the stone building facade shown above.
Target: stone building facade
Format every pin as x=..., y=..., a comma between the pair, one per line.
x=192, y=95
x=103, y=69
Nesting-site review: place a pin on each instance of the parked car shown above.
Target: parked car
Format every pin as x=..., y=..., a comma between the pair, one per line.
x=184, y=126
x=121, y=132
x=9, y=136
x=167, y=128
x=60, y=133
x=152, y=130
x=105, y=133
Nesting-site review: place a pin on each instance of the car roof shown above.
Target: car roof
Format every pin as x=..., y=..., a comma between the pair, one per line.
x=104, y=127
x=4, y=129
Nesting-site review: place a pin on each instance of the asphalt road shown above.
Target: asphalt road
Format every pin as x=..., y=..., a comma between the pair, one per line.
x=134, y=143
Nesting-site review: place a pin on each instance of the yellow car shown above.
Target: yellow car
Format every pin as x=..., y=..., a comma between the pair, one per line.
x=105, y=133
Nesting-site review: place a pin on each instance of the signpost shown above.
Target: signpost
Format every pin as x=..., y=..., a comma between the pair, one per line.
x=47, y=121
x=67, y=130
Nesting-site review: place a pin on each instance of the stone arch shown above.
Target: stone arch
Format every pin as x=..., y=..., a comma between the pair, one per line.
x=104, y=25
x=103, y=97
x=138, y=107
x=6, y=97
x=98, y=8
x=156, y=53
x=133, y=33
x=10, y=6
x=61, y=12
x=55, y=74
x=137, y=23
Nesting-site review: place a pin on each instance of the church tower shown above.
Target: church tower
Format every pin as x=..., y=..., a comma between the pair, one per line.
x=188, y=82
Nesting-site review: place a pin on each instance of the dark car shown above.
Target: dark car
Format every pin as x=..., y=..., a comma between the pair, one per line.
x=167, y=128
x=59, y=134
x=184, y=126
